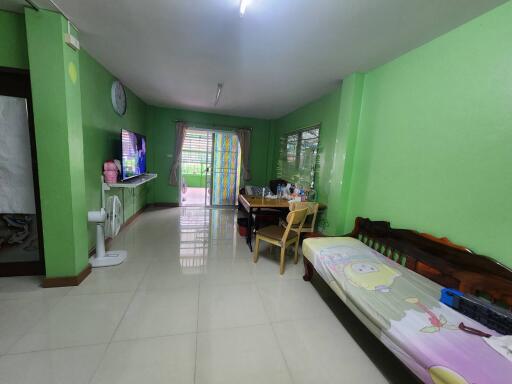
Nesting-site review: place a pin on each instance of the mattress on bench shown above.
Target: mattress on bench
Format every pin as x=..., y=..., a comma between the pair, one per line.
x=402, y=308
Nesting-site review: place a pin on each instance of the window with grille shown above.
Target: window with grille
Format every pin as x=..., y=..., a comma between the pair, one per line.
x=196, y=155
x=298, y=157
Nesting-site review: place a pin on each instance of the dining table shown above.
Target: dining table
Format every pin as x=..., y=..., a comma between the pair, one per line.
x=254, y=204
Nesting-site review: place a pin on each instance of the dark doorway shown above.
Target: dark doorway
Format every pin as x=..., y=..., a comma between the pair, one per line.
x=21, y=241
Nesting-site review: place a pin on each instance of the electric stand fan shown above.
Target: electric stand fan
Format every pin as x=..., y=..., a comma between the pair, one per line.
x=108, y=223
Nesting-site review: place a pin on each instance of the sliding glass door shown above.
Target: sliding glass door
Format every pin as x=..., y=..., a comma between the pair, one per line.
x=196, y=164
x=210, y=165
x=225, y=175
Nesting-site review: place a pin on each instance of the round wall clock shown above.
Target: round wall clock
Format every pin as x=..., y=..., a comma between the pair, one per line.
x=118, y=98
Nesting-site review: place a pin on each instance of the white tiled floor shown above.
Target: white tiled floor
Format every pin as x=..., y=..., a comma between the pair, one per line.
x=188, y=306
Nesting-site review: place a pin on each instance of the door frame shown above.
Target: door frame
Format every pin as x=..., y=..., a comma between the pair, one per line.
x=209, y=175
x=16, y=83
x=209, y=171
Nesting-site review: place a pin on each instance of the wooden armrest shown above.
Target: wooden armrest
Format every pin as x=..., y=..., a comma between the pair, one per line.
x=497, y=288
x=308, y=235
x=320, y=234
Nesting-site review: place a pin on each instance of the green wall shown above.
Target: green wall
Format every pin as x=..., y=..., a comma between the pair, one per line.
x=434, y=149
x=324, y=111
x=97, y=139
x=101, y=131
x=54, y=69
x=161, y=126
x=13, y=41
x=423, y=141
x=338, y=113
x=344, y=153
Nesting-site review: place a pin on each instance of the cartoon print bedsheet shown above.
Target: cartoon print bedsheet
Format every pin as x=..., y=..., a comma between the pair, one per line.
x=405, y=306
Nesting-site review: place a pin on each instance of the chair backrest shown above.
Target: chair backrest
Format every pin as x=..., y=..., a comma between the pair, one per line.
x=312, y=210
x=295, y=217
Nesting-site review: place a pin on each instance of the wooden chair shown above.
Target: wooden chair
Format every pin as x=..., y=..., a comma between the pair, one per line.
x=309, y=224
x=282, y=237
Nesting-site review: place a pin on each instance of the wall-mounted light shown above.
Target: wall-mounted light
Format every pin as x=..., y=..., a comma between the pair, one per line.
x=243, y=6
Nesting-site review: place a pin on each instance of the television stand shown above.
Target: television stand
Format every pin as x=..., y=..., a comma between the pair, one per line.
x=134, y=182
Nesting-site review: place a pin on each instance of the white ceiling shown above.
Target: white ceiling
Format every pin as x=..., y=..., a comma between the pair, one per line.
x=281, y=55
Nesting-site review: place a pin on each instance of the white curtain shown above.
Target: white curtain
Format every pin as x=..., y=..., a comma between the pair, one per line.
x=16, y=178
x=244, y=137
x=181, y=130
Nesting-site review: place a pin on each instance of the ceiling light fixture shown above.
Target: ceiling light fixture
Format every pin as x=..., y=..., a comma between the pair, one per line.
x=219, y=91
x=243, y=6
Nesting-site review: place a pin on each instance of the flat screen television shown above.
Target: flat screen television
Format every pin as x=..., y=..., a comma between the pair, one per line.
x=133, y=157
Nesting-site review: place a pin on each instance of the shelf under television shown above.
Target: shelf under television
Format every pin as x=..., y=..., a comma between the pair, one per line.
x=134, y=182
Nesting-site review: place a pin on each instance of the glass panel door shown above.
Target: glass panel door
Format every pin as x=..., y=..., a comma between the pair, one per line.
x=225, y=173
x=196, y=163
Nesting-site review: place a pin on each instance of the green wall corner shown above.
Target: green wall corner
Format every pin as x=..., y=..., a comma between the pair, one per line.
x=344, y=153
x=54, y=70
x=434, y=139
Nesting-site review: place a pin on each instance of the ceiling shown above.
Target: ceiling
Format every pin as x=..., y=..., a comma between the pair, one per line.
x=279, y=56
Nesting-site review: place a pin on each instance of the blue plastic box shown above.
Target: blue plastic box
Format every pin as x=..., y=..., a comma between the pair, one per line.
x=450, y=297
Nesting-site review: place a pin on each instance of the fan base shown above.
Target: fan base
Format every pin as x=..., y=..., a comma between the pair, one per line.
x=109, y=259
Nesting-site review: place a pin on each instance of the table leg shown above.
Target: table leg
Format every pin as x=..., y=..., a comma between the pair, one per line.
x=249, y=229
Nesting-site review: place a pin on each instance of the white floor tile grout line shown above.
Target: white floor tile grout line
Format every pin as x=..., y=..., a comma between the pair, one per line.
x=202, y=332
x=277, y=340
x=197, y=332
x=93, y=374
x=47, y=310
x=258, y=278
x=54, y=349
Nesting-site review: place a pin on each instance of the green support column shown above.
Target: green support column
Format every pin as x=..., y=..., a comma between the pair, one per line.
x=346, y=136
x=55, y=79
